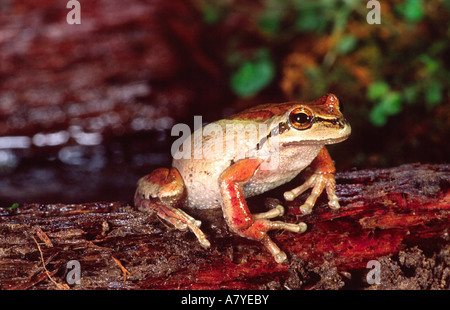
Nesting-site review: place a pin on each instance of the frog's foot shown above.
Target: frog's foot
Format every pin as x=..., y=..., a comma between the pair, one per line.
x=323, y=178
x=318, y=182
x=258, y=231
x=160, y=191
x=177, y=217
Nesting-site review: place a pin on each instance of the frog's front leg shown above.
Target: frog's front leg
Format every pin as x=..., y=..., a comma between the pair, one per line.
x=237, y=213
x=163, y=191
x=322, y=178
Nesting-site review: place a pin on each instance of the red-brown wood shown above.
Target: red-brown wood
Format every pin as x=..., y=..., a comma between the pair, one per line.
x=398, y=216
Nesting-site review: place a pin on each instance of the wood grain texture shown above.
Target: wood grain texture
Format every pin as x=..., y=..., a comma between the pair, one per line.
x=399, y=216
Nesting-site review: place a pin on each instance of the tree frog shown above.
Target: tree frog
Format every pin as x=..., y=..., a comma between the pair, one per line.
x=244, y=155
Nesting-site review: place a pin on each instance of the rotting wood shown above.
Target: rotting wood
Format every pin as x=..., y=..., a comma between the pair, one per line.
x=385, y=214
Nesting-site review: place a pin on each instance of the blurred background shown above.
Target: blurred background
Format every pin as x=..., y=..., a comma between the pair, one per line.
x=86, y=109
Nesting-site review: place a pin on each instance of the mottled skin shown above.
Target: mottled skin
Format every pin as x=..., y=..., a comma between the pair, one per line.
x=291, y=138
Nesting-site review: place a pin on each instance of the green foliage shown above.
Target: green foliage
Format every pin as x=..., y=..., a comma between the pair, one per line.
x=269, y=21
x=388, y=102
x=210, y=15
x=13, y=206
x=347, y=44
x=253, y=75
x=405, y=71
x=213, y=12
x=433, y=94
x=309, y=21
x=431, y=65
x=377, y=90
x=430, y=90
x=412, y=10
x=436, y=76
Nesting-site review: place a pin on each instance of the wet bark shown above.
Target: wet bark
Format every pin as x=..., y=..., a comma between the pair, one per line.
x=399, y=217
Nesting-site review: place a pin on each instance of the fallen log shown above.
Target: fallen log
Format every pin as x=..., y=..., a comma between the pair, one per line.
x=398, y=217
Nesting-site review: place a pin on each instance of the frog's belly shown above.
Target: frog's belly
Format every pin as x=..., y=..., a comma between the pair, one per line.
x=204, y=193
x=203, y=190
x=201, y=182
x=257, y=186
x=201, y=198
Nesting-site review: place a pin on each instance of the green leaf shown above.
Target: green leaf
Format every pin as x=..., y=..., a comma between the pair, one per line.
x=309, y=20
x=269, y=22
x=210, y=16
x=433, y=94
x=377, y=90
x=446, y=4
x=346, y=44
x=412, y=10
x=253, y=76
x=391, y=104
x=13, y=206
x=377, y=116
x=431, y=65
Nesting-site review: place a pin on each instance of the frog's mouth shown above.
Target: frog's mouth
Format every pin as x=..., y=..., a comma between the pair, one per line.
x=342, y=135
x=303, y=143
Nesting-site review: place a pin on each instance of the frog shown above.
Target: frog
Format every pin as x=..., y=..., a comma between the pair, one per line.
x=291, y=137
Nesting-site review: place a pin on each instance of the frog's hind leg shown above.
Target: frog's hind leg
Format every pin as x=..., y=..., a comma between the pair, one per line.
x=238, y=216
x=162, y=191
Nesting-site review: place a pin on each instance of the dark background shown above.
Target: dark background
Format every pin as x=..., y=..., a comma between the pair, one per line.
x=85, y=110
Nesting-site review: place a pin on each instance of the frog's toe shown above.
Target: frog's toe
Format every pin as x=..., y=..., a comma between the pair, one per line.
x=334, y=204
x=186, y=222
x=318, y=182
x=280, y=257
x=333, y=201
x=306, y=208
x=297, y=228
x=204, y=242
x=275, y=212
x=302, y=227
x=289, y=195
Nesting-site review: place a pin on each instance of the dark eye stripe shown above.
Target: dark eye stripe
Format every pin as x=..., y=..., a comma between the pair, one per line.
x=282, y=127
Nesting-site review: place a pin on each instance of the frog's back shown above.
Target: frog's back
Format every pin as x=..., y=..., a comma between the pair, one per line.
x=208, y=158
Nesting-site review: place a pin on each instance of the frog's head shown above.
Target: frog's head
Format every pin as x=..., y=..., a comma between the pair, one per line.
x=317, y=122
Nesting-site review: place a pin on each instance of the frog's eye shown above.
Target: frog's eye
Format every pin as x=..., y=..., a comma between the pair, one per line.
x=301, y=118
